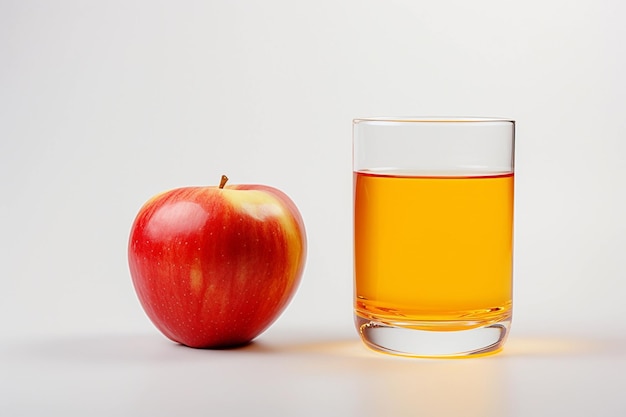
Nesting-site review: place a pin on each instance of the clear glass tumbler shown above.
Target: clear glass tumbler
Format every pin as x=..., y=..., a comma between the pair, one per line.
x=433, y=234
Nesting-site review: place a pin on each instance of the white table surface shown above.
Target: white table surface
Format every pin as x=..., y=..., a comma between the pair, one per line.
x=290, y=372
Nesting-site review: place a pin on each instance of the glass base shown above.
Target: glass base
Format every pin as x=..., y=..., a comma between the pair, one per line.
x=434, y=339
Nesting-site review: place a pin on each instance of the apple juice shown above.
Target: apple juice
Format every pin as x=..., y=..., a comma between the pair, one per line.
x=433, y=250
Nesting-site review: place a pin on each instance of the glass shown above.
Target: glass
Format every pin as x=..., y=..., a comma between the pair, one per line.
x=433, y=234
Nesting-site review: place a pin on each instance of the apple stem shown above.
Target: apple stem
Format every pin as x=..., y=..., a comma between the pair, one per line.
x=223, y=181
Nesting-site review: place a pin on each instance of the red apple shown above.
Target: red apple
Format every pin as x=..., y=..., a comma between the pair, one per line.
x=216, y=266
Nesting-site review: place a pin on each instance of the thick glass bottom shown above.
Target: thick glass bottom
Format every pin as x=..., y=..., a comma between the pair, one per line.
x=434, y=339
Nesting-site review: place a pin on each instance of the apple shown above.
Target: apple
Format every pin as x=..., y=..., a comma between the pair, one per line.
x=215, y=266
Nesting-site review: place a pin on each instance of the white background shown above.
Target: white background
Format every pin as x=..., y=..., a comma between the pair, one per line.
x=104, y=104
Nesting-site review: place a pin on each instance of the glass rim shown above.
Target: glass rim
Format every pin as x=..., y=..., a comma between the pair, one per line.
x=432, y=119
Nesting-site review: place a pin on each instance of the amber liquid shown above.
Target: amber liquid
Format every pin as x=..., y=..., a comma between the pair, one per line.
x=433, y=250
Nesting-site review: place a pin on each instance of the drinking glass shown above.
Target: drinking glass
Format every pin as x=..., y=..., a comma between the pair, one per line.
x=433, y=234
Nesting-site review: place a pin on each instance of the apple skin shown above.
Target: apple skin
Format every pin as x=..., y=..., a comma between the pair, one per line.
x=214, y=267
